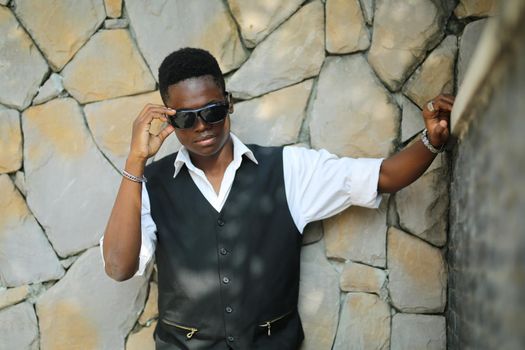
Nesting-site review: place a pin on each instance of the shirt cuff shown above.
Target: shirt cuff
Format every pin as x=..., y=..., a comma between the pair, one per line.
x=364, y=182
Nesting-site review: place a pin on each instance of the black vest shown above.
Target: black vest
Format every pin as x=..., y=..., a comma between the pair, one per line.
x=228, y=279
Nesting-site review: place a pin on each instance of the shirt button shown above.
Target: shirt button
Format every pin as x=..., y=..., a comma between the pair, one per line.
x=220, y=222
x=223, y=251
x=231, y=338
x=225, y=280
x=229, y=309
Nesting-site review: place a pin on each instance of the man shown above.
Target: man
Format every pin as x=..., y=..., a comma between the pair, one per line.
x=225, y=220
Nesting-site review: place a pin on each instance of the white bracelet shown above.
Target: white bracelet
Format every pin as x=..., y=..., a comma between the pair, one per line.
x=426, y=142
x=133, y=177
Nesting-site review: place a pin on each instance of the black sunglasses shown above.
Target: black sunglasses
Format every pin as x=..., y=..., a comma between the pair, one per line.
x=212, y=113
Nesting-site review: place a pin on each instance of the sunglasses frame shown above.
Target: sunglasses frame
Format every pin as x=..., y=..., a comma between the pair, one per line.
x=227, y=103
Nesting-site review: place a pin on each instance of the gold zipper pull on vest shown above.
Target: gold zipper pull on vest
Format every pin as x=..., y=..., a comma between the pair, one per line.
x=190, y=334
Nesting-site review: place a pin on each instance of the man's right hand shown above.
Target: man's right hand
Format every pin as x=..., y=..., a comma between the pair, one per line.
x=144, y=144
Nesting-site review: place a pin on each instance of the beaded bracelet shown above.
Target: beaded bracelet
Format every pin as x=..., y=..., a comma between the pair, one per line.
x=426, y=142
x=133, y=177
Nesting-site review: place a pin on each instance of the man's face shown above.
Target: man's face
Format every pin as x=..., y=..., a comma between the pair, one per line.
x=202, y=139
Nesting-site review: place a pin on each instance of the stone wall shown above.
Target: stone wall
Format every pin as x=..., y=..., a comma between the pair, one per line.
x=347, y=75
x=487, y=243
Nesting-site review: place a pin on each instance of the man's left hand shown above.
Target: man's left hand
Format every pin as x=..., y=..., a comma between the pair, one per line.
x=436, y=114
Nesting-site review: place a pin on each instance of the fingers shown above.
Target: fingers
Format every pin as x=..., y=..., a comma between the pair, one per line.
x=152, y=111
x=165, y=132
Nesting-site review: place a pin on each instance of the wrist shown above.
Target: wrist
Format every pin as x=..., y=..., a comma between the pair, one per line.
x=135, y=165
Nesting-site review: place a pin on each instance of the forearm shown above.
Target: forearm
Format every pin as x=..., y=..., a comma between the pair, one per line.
x=404, y=167
x=122, y=238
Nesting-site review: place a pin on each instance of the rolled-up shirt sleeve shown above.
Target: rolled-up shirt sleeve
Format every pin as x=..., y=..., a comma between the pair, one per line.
x=319, y=184
x=148, y=236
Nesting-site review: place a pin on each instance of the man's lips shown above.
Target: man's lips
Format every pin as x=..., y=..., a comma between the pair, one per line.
x=203, y=139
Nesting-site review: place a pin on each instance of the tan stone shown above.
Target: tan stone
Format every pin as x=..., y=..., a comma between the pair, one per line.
x=199, y=23
x=318, y=298
x=18, y=58
x=468, y=43
x=120, y=71
x=19, y=327
x=62, y=162
x=345, y=27
x=362, y=278
x=353, y=114
x=398, y=44
x=150, y=310
x=88, y=310
x=425, y=84
x=425, y=332
x=51, y=89
x=273, y=119
x=476, y=8
x=111, y=123
x=143, y=339
x=60, y=28
x=113, y=8
x=358, y=234
x=10, y=141
x=258, y=18
x=13, y=295
x=25, y=253
x=412, y=121
x=292, y=53
x=20, y=182
x=417, y=276
x=423, y=205
x=364, y=324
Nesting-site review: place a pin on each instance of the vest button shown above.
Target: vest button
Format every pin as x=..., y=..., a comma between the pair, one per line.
x=226, y=280
x=229, y=309
x=220, y=222
x=231, y=338
x=223, y=251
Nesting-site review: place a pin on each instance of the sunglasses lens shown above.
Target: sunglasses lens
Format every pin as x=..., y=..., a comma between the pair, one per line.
x=183, y=120
x=214, y=114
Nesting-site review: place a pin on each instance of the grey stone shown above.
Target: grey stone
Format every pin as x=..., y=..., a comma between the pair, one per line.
x=318, y=298
x=111, y=123
x=292, y=53
x=13, y=296
x=435, y=75
x=4, y=2
x=273, y=119
x=51, y=89
x=20, y=182
x=25, y=254
x=423, y=205
x=88, y=310
x=358, y=234
x=62, y=162
x=417, y=275
x=258, y=18
x=199, y=23
x=171, y=144
x=412, y=120
x=19, y=327
x=425, y=332
x=368, y=7
x=18, y=58
x=362, y=278
x=67, y=262
x=60, y=28
x=468, y=43
x=116, y=23
x=10, y=140
x=364, y=324
x=345, y=27
x=120, y=71
x=353, y=114
x=476, y=8
x=398, y=44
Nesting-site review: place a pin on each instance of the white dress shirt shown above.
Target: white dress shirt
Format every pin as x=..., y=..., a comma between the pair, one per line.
x=317, y=185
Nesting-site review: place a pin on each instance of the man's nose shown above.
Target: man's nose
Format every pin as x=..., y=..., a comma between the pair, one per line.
x=200, y=124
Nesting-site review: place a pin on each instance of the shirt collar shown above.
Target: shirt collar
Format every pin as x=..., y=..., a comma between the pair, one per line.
x=239, y=150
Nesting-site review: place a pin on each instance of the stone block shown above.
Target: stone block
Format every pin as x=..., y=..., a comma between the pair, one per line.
x=345, y=27
x=468, y=43
x=51, y=89
x=292, y=53
x=18, y=58
x=476, y=8
x=273, y=119
x=422, y=332
x=10, y=141
x=411, y=121
x=113, y=8
x=120, y=71
x=13, y=296
x=143, y=339
x=150, y=311
x=60, y=28
x=362, y=278
x=353, y=114
x=19, y=327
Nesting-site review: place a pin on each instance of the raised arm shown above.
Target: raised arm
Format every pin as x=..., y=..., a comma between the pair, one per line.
x=404, y=167
x=122, y=237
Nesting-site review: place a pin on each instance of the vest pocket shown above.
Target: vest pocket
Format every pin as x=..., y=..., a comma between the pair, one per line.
x=268, y=324
x=190, y=330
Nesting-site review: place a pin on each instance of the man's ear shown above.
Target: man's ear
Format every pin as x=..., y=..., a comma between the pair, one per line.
x=230, y=103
